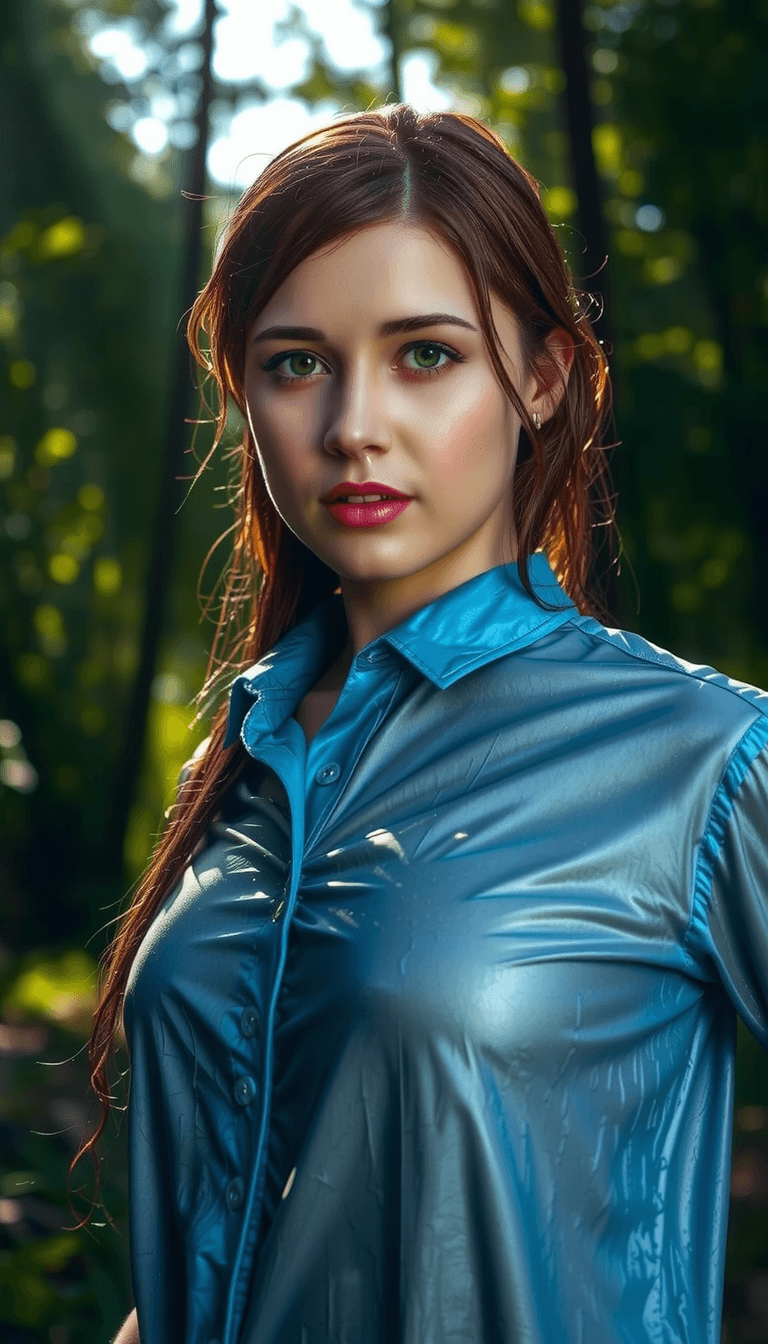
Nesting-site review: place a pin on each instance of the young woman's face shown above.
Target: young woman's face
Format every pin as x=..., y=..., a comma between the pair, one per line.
x=368, y=369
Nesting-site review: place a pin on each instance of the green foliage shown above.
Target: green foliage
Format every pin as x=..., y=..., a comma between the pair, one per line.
x=61, y=987
x=59, y=1283
x=89, y=266
x=693, y=336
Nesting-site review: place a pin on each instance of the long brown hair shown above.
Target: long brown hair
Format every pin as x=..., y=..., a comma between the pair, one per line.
x=453, y=175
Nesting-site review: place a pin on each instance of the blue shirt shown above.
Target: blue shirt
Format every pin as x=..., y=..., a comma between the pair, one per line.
x=434, y=1042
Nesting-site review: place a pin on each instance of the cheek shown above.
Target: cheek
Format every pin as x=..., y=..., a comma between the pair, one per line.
x=279, y=438
x=482, y=432
x=278, y=429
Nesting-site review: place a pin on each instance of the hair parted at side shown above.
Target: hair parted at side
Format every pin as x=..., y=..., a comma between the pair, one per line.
x=449, y=173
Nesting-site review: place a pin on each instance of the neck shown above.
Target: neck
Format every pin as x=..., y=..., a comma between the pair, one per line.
x=373, y=607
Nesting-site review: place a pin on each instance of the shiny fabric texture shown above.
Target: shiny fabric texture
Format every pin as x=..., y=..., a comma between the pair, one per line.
x=434, y=1042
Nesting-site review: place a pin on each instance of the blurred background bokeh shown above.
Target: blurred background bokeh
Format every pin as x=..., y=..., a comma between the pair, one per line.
x=129, y=128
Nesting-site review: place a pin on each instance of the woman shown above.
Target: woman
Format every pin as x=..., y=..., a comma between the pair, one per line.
x=430, y=987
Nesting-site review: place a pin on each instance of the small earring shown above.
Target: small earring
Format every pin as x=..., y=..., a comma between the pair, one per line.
x=536, y=418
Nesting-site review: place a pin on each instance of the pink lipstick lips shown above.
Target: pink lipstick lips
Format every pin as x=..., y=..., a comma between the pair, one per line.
x=365, y=503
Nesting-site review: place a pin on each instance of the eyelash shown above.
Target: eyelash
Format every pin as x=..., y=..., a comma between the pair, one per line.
x=272, y=365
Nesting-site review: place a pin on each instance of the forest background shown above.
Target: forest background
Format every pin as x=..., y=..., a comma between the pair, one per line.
x=645, y=121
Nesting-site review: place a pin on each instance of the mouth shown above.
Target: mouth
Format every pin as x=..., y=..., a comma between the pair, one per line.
x=367, y=510
x=361, y=499
x=362, y=492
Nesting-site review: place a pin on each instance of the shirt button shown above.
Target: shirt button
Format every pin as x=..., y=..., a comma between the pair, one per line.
x=235, y=1194
x=249, y=1022
x=328, y=774
x=245, y=1091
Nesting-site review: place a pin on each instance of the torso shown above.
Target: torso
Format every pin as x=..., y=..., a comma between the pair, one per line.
x=471, y=1013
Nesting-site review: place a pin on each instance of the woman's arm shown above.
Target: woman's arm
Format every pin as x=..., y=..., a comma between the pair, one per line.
x=129, y=1330
x=730, y=916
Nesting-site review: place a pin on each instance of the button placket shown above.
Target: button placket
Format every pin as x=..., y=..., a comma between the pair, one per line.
x=291, y=773
x=376, y=694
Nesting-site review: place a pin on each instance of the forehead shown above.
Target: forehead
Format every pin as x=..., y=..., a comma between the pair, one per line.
x=379, y=272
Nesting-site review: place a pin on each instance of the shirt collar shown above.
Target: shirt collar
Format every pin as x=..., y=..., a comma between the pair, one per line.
x=463, y=629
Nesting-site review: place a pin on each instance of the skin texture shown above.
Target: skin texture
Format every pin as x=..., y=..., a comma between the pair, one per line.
x=419, y=410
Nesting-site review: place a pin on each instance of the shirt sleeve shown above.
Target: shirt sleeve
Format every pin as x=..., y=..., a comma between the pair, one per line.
x=729, y=924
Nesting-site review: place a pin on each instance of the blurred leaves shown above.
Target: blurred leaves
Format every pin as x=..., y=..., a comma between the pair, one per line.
x=59, y=1284
x=61, y=987
x=87, y=290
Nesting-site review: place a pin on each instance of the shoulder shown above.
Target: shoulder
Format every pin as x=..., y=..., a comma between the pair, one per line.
x=629, y=653
x=610, y=690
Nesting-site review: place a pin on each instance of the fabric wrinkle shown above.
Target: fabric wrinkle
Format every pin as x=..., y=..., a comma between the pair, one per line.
x=450, y=994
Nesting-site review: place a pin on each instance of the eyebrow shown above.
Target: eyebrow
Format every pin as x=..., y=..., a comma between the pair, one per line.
x=394, y=328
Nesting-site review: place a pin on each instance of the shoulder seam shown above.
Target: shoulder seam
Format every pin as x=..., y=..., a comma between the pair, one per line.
x=670, y=663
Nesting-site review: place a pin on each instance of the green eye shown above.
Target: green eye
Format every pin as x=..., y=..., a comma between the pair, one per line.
x=427, y=356
x=301, y=364
x=294, y=366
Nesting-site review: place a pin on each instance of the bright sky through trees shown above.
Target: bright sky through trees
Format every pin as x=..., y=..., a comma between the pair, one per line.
x=247, y=47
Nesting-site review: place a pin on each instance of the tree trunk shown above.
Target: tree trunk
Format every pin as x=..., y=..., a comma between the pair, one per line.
x=592, y=272
x=579, y=123
x=171, y=491
x=392, y=32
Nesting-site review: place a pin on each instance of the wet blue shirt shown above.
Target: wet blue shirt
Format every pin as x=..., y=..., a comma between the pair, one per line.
x=434, y=1042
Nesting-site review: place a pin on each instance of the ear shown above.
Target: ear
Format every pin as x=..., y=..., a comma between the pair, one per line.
x=552, y=373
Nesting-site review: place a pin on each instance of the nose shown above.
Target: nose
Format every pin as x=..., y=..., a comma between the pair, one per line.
x=356, y=419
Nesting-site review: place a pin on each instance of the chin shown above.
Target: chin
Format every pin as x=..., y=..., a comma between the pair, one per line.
x=375, y=574
x=364, y=568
